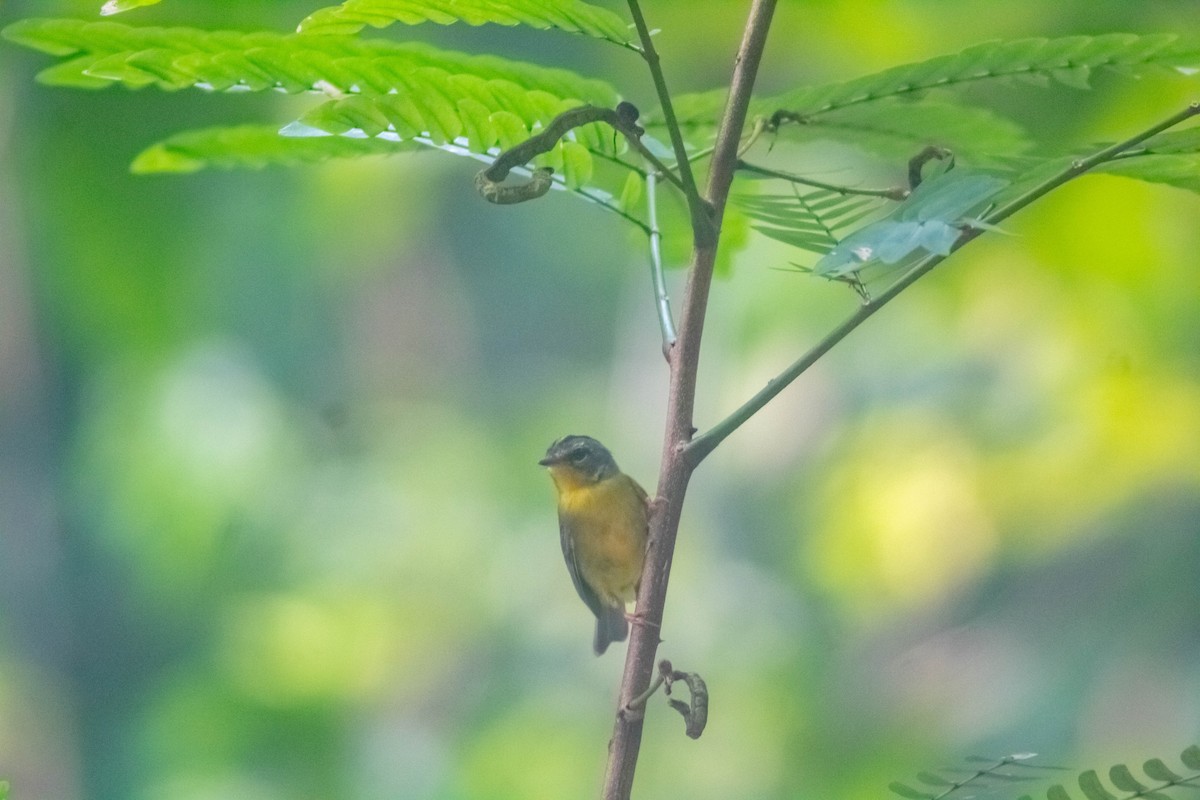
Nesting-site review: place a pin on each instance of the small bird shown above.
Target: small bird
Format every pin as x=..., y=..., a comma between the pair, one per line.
x=603, y=524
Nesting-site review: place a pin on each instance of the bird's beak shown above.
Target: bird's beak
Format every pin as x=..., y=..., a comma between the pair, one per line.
x=547, y=461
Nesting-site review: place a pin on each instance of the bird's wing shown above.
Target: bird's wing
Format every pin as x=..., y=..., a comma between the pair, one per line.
x=585, y=592
x=637, y=487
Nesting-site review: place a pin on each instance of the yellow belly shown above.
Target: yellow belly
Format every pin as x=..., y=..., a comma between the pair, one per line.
x=607, y=525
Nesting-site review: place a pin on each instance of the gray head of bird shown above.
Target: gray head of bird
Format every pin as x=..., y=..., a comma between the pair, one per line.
x=581, y=455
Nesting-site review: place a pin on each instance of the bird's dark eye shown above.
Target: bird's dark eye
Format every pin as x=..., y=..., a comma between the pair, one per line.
x=578, y=455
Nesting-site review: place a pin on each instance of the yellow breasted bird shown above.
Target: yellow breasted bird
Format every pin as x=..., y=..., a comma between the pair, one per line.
x=602, y=522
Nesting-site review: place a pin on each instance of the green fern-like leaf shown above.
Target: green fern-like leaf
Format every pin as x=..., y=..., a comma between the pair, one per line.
x=400, y=120
x=573, y=16
x=947, y=782
x=381, y=93
x=177, y=58
x=251, y=146
x=894, y=112
x=811, y=221
x=1070, y=60
x=1163, y=781
x=406, y=91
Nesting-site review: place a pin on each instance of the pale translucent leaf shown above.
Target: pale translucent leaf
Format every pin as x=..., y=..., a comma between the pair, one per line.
x=118, y=6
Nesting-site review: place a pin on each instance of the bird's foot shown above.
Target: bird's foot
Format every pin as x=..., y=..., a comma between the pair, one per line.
x=637, y=618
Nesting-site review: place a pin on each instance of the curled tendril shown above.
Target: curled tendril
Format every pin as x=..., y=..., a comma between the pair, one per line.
x=488, y=181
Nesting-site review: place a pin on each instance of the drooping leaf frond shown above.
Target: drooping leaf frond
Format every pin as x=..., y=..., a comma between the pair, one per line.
x=118, y=6
x=397, y=91
x=1070, y=60
x=103, y=53
x=940, y=784
x=252, y=146
x=898, y=111
x=1160, y=783
x=574, y=16
x=930, y=221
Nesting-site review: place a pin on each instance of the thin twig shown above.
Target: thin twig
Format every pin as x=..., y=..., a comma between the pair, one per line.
x=760, y=125
x=662, y=168
x=701, y=221
x=704, y=444
x=605, y=204
x=676, y=468
x=1081, y=166
x=662, y=302
x=896, y=193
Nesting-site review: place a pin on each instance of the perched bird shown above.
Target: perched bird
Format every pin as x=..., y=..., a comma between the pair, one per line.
x=602, y=522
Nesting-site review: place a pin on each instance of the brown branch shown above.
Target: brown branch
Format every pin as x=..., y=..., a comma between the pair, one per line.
x=676, y=468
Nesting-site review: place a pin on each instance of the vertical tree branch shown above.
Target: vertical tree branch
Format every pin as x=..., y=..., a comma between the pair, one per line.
x=676, y=467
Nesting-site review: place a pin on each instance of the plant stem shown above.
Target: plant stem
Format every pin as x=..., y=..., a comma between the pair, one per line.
x=1081, y=166
x=898, y=193
x=702, y=223
x=662, y=168
x=662, y=302
x=704, y=444
x=677, y=467
x=605, y=204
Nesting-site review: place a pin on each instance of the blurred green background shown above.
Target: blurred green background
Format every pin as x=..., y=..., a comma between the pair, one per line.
x=271, y=524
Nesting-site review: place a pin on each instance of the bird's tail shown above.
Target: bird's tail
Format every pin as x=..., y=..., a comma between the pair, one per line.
x=611, y=626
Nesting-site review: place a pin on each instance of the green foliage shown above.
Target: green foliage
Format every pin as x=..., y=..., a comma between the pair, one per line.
x=1171, y=158
x=896, y=112
x=4, y=790
x=395, y=92
x=941, y=784
x=930, y=221
x=251, y=146
x=895, y=128
x=809, y=221
x=892, y=113
x=568, y=15
x=384, y=96
x=179, y=58
x=1128, y=786
x=1070, y=60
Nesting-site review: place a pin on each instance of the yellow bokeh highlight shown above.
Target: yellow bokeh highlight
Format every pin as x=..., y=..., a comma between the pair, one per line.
x=1115, y=438
x=535, y=751
x=906, y=517
x=287, y=649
